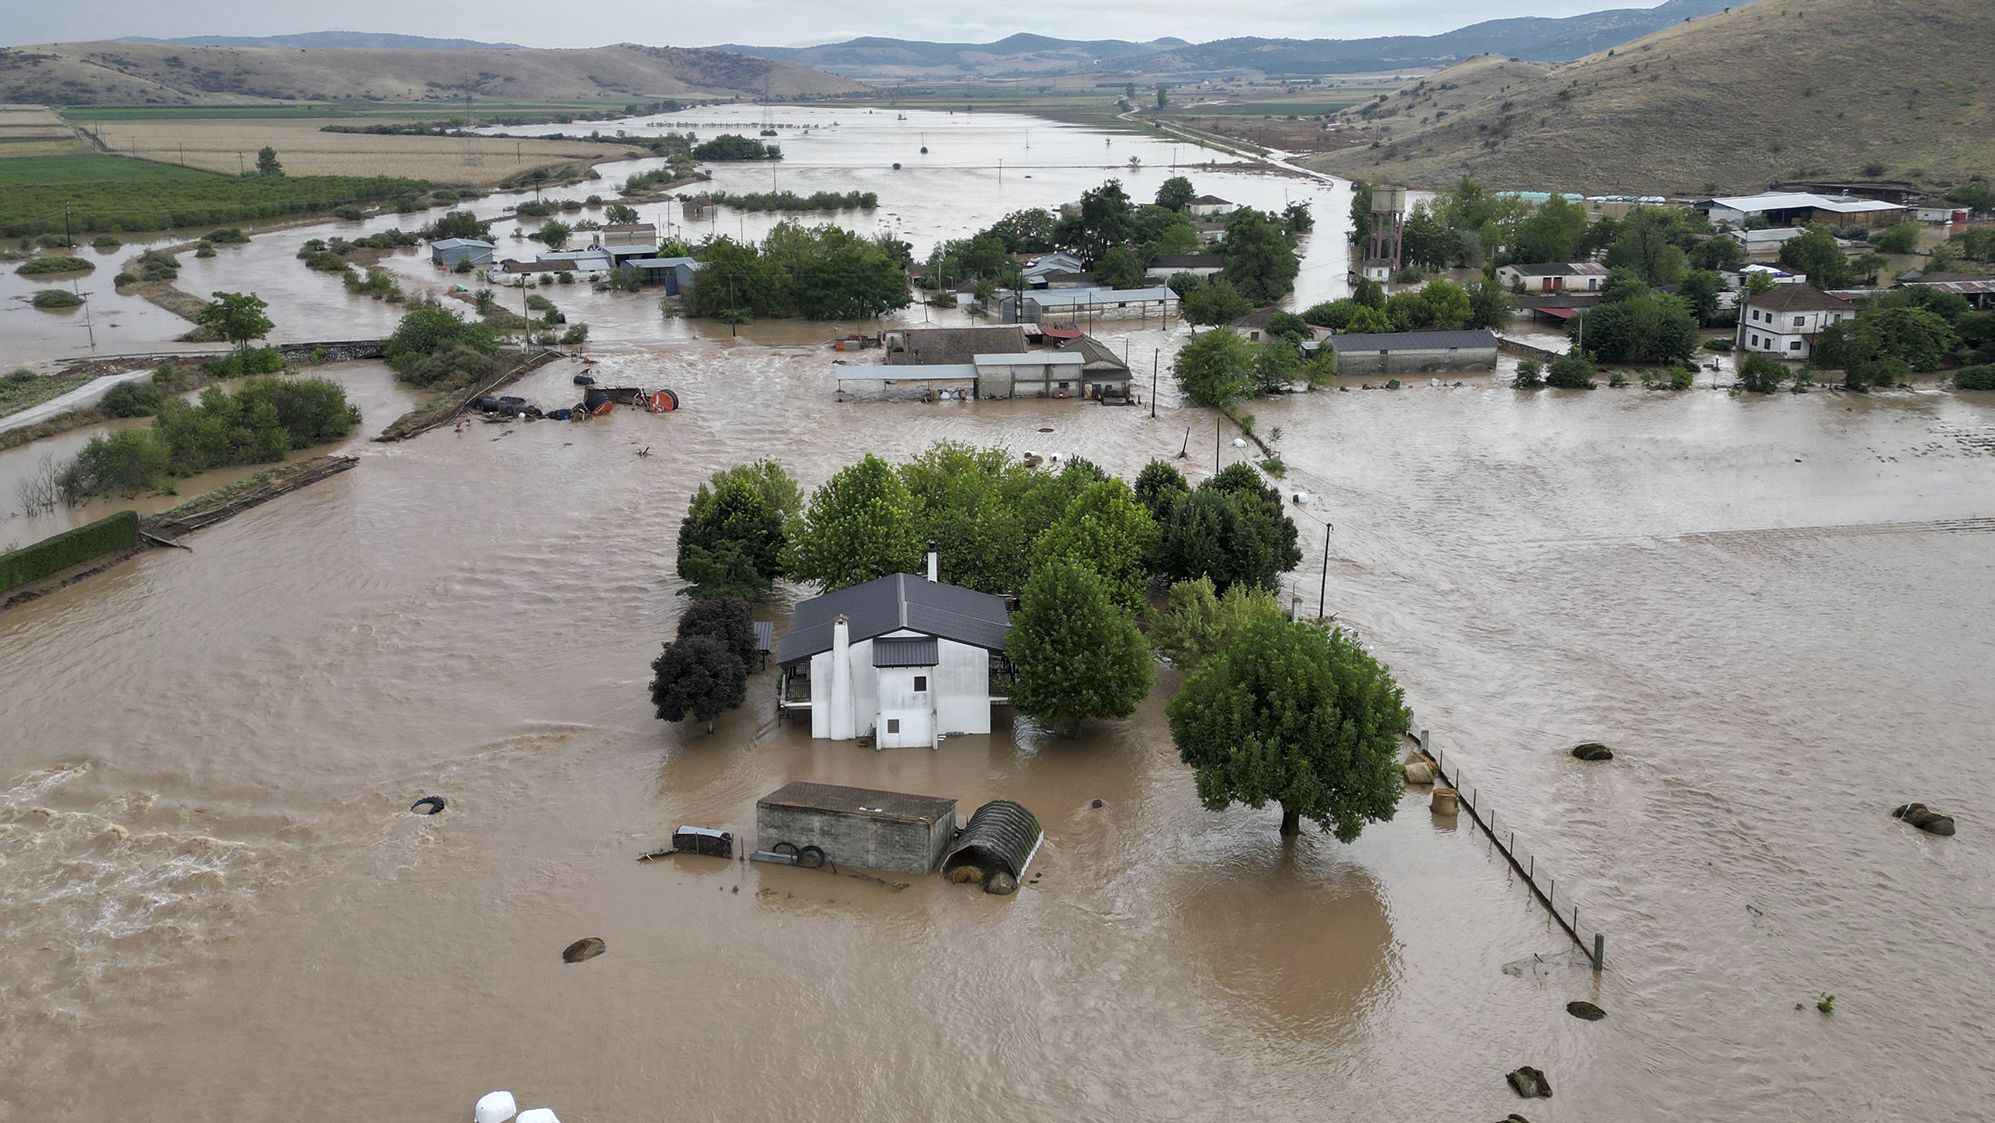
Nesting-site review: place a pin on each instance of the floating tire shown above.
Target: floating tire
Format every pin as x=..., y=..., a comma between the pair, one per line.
x=584, y=380
x=811, y=857
x=428, y=805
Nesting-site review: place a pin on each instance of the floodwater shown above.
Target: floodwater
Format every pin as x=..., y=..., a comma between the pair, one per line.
x=215, y=902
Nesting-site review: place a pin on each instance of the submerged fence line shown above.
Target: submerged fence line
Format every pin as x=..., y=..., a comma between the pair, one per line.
x=1542, y=884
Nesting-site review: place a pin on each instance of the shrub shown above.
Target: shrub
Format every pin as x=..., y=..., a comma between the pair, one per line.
x=105, y=242
x=349, y=214
x=1682, y=378
x=37, y=266
x=133, y=399
x=1530, y=375
x=1617, y=380
x=56, y=298
x=157, y=265
x=1975, y=378
x=204, y=250
x=127, y=462
x=123, y=279
x=247, y=361
x=435, y=346
x=54, y=554
x=1885, y=373
x=1571, y=372
x=575, y=335
x=227, y=236
x=1762, y=374
x=1717, y=345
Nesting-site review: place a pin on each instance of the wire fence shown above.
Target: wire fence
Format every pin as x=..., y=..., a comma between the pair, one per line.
x=1537, y=875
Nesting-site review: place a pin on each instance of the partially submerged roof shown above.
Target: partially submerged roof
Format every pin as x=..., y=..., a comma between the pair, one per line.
x=1561, y=269
x=1030, y=359
x=899, y=602
x=926, y=372
x=1798, y=200
x=1096, y=354
x=956, y=345
x=873, y=803
x=1065, y=298
x=1416, y=341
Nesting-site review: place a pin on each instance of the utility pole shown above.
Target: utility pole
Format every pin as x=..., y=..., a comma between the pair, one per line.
x=1155, y=356
x=1216, y=422
x=1323, y=586
x=68, y=239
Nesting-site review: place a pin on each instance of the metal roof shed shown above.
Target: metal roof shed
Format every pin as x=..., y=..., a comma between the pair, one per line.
x=1000, y=838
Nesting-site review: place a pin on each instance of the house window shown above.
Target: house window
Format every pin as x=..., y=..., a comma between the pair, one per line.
x=893, y=725
x=1798, y=321
x=1794, y=346
x=921, y=684
x=1752, y=340
x=1065, y=385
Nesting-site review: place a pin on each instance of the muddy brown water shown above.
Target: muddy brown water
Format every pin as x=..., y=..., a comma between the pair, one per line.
x=215, y=902
x=214, y=895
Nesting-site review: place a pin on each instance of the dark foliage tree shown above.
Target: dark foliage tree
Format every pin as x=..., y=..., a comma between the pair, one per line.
x=1261, y=260
x=699, y=677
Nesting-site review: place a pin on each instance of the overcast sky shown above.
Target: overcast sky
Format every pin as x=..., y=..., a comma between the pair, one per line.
x=765, y=22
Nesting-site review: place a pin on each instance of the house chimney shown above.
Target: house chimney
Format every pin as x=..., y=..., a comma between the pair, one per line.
x=934, y=566
x=840, y=722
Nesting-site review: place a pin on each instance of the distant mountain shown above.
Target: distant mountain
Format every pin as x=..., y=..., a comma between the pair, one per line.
x=1858, y=89
x=875, y=57
x=330, y=40
x=1541, y=39
x=162, y=74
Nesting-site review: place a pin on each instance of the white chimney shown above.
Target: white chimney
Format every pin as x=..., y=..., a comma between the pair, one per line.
x=934, y=567
x=841, y=724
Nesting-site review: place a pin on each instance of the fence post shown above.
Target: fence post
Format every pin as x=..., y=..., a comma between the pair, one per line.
x=1532, y=873
x=1599, y=949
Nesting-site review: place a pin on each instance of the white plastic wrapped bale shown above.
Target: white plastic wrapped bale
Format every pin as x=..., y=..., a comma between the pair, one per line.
x=539, y=1115
x=494, y=1107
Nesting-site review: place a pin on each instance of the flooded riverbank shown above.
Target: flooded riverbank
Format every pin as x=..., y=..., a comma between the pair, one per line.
x=224, y=900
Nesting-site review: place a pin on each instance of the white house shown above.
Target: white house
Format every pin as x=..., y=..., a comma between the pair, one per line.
x=1162, y=267
x=1785, y=320
x=1553, y=276
x=904, y=660
x=1799, y=208
x=1211, y=206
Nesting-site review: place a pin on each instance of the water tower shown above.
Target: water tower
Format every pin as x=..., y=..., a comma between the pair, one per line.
x=1382, y=255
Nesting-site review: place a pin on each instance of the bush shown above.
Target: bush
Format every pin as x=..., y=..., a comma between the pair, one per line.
x=37, y=266
x=105, y=242
x=1682, y=378
x=1717, y=345
x=71, y=547
x=1975, y=378
x=1902, y=238
x=227, y=236
x=204, y=250
x=1762, y=374
x=133, y=399
x=1530, y=375
x=251, y=360
x=123, y=279
x=1571, y=372
x=157, y=265
x=349, y=214
x=56, y=298
x=127, y=462
x=1880, y=373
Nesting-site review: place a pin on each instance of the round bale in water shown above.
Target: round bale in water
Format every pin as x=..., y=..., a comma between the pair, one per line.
x=1446, y=801
x=495, y=1107
x=995, y=846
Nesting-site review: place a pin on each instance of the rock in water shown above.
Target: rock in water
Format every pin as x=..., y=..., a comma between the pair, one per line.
x=1924, y=818
x=1419, y=772
x=1001, y=884
x=1593, y=750
x=1530, y=1083
x=1585, y=1010
x=587, y=948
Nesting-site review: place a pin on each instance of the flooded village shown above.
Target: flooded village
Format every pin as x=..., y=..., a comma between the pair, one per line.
x=362, y=799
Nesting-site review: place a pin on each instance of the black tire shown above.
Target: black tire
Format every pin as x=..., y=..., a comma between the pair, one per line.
x=811, y=857
x=584, y=380
x=789, y=848
x=428, y=805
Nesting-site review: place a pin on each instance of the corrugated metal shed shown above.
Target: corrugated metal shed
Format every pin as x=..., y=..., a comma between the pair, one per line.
x=1000, y=837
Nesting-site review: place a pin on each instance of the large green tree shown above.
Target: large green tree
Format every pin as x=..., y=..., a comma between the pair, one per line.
x=236, y=316
x=1212, y=302
x=860, y=525
x=1232, y=529
x=1176, y=193
x=1551, y=233
x=1078, y=654
x=1106, y=220
x=1197, y=623
x=1119, y=268
x=1651, y=328
x=1816, y=254
x=1297, y=716
x=699, y=677
x=1105, y=529
x=1212, y=368
x=731, y=541
x=1260, y=257
x=972, y=503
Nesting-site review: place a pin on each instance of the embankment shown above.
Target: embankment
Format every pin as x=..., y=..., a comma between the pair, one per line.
x=423, y=418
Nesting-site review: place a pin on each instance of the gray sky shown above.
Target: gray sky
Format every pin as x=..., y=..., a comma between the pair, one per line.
x=768, y=22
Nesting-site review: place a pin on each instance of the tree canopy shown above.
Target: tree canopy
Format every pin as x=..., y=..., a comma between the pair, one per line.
x=1261, y=261
x=860, y=525
x=1211, y=369
x=1105, y=529
x=1197, y=623
x=1653, y=327
x=1232, y=528
x=698, y=676
x=731, y=541
x=1297, y=716
x=817, y=272
x=1176, y=193
x=1816, y=254
x=236, y=316
x=1078, y=654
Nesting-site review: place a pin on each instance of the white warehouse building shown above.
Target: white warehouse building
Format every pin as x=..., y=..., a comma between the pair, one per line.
x=904, y=660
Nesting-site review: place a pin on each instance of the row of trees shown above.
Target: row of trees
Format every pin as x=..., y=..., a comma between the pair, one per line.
x=1219, y=367
x=817, y=272
x=1439, y=305
x=1911, y=328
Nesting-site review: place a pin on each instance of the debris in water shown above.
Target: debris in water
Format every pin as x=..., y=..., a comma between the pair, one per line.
x=428, y=805
x=587, y=948
x=1530, y=1083
x=1585, y=1011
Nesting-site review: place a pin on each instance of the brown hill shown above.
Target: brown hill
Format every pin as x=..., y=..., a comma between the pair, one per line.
x=164, y=74
x=1778, y=89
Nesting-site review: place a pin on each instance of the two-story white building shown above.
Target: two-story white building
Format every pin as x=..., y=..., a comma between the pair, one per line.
x=904, y=660
x=1785, y=320
x=1211, y=206
x=1553, y=277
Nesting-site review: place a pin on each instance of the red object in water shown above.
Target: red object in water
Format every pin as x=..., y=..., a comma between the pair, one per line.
x=604, y=408
x=661, y=402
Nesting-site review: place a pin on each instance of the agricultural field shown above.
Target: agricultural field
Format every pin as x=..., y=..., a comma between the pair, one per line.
x=32, y=130
x=229, y=144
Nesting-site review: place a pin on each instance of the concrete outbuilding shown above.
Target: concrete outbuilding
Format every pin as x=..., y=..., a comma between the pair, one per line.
x=1415, y=352
x=863, y=827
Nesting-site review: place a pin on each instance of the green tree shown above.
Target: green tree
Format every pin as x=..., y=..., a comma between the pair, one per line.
x=1176, y=193
x=1902, y=238
x=1232, y=529
x=1119, y=268
x=237, y=317
x=1650, y=241
x=973, y=503
x=1816, y=254
x=1212, y=368
x=699, y=677
x=1361, y=216
x=554, y=232
x=1651, y=328
x=1026, y=231
x=1105, y=529
x=433, y=345
x=1700, y=291
x=1719, y=252
x=1427, y=242
x=619, y=214
x=1298, y=218
x=1197, y=623
x=1447, y=305
x=266, y=162
x=1762, y=374
x=1489, y=303
x=1277, y=366
x=1261, y=261
x=1551, y=233
x=1571, y=371
x=728, y=620
x=1106, y=220
x=860, y=525
x=1158, y=485
x=1213, y=302
x=1078, y=654
x=1296, y=716
x=456, y=224
x=731, y=541
x=1918, y=338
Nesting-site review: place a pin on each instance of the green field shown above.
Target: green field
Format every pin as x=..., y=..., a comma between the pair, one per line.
x=354, y=109
x=117, y=193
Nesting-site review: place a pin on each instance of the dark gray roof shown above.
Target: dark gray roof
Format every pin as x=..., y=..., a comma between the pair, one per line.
x=1100, y=359
x=1416, y=341
x=956, y=345
x=923, y=652
x=765, y=636
x=891, y=604
x=1186, y=261
x=870, y=802
x=1798, y=298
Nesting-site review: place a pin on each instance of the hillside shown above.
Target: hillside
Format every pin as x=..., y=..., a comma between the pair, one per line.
x=329, y=40
x=1733, y=101
x=1528, y=38
x=157, y=74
